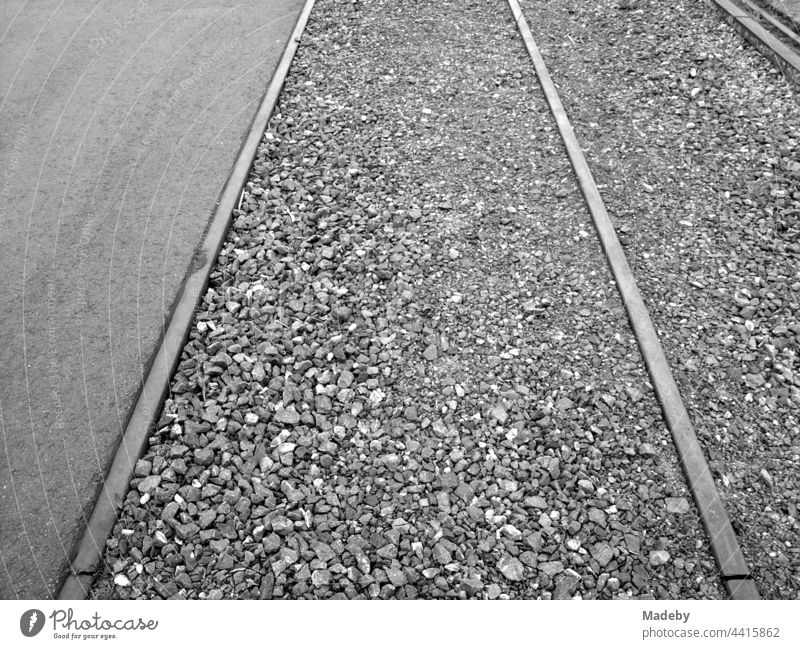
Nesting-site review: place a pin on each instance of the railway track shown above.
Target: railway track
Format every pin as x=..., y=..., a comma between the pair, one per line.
x=775, y=15
x=733, y=570
x=771, y=27
x=724, y=544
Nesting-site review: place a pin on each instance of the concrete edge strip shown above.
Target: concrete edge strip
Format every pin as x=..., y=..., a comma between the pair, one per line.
x=723, y=541
x=780, y=55
x=89, y=550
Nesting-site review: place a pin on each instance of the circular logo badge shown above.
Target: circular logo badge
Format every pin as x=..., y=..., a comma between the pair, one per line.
x=31, y=622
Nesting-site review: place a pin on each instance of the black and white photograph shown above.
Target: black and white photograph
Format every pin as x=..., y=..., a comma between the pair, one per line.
x=380, y=300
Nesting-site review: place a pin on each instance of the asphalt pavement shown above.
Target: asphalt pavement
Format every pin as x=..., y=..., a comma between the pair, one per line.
x=119, y=124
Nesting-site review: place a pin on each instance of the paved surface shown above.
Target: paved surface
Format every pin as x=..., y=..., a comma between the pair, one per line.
x=119, y=123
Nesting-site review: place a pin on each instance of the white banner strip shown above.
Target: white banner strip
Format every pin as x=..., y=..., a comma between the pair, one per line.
x=405, y=625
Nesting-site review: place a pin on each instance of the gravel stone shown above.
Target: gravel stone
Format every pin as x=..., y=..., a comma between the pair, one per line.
x=566, y=583
x=602, y=553
x=282, y=525
x=396, y=577
x=321, y=578
x=472, y=587
x=142, y=468
x=441, y=554
x=431, y=353
x=204, y=456
x=551, y=568
x=659, y=558
x=511, y=567
x=677, y=505
x=323, y=551
x=287, y=416
x=149, y=484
